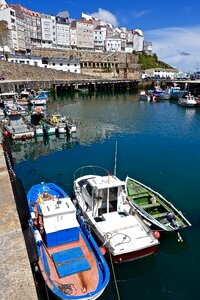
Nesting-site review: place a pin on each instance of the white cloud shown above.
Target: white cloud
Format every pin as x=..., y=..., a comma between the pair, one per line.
x=179, y=47
x=142, y=13
x=106, y=16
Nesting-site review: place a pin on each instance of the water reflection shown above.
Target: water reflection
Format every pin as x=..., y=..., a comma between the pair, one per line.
x=101, y=116
x=190, y=112
x=41, y=146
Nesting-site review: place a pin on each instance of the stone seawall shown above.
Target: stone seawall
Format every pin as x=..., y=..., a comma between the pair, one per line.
x=15, y=272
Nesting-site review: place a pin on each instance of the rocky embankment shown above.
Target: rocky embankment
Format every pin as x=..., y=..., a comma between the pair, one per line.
x=93, y=65
x=14, y=71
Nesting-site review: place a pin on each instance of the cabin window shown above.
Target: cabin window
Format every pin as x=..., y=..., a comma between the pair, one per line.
x=89, y=189
x=113, y=193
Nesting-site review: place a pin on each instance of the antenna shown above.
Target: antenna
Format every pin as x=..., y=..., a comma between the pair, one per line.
x=115, y=159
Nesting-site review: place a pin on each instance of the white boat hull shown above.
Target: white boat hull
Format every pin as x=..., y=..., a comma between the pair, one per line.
x=112, y=220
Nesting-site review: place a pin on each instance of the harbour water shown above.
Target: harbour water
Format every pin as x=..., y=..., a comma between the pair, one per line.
x=157, y=144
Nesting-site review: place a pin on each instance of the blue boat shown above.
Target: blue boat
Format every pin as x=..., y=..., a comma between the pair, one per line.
x=175, y=92
x=41, y=98
x=69, y=259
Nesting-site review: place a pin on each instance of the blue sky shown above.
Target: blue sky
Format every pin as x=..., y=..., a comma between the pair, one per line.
x=172, y=26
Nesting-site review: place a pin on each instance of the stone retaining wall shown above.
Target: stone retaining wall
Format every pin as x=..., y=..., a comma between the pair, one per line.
x=15, y=273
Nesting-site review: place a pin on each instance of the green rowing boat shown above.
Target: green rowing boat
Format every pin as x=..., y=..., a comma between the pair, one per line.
x=154, y=208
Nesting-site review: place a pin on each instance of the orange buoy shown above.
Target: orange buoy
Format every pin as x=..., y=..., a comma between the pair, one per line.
x=6, y=133
x=38, y=110
x=156, y=234
x=103, y=250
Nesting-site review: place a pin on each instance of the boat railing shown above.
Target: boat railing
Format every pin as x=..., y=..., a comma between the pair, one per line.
x=81, y=170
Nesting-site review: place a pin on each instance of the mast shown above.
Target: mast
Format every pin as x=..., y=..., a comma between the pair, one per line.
x=115, y=166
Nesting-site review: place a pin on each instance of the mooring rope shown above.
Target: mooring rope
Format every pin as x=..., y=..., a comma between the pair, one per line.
x=113, y=270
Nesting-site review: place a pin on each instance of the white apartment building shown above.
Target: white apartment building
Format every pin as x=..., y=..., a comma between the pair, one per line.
x=73, y=35
x=99, y=38
x=62, y=33
x=138, y=40
x=48, y=24
x=113, y=44
x=21, y=34
x=8, y=14
x=32, y=22
x=148, y=47
x=85, y=35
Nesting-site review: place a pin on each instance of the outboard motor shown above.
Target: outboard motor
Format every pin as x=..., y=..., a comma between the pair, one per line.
x=172, y=219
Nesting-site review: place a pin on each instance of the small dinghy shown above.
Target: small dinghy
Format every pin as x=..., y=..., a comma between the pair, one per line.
x=154, y=208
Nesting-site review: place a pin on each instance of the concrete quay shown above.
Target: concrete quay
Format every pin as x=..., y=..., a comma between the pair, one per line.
x=16, y=277
x=67, y=84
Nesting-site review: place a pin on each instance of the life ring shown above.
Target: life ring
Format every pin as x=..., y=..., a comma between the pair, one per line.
x=38, y=110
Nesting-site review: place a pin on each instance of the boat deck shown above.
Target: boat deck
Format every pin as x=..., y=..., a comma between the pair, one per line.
x=126, y=232
x=73, y=269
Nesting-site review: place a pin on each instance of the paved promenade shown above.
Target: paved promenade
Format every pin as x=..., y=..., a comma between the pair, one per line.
x=16, y=278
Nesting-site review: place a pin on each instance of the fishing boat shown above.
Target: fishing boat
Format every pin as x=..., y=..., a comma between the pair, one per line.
x=158, y=212
x=16, y=127
x=145, y=96
x=116, y=225
x=8, y=100
x=160, y=95
x=175, y=92
x=81, y=90
x=68, y=257
x=24, y=98
x=59, y=121
x=42, y=127
x=188, y=101
x=71, y=126
x=41, y=98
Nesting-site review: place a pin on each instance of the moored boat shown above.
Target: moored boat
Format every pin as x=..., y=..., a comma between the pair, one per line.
x=16, y=128
x=175, y=92
x=145, y=96
x=71, y=126
x=154, y=208
x=102, y=201
x=161, y=95
x=188, y=101
x=59, y=121
x=40, y=99
x=41, y=126
x=24, y=98
x=68, y=257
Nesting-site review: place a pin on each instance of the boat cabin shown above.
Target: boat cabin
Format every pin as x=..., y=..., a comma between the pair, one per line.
x=8, y=98
x=59, y=221
x=105, y=194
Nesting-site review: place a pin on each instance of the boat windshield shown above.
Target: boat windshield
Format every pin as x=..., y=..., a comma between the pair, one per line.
x=103, y=193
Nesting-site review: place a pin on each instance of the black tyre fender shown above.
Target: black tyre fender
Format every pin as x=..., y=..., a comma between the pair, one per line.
x=21, y=202
x=30, y=246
